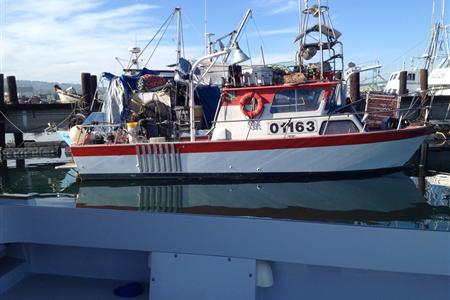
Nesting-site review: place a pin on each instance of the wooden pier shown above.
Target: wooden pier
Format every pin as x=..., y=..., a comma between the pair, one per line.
x=17, y=118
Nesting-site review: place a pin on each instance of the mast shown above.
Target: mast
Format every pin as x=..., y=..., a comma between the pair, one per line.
x=438, y=47
x=320, y=40
x=179, y=33
x=320, y=37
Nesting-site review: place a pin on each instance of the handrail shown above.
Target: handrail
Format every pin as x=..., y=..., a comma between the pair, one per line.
x=327, y=115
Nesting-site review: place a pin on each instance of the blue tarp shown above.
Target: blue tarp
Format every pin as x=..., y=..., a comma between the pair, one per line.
x=208, y=96
x=130, y=82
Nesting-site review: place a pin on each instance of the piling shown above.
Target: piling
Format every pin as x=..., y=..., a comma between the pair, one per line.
x=423, y=164
x=423, y=80
x=13, y=99
x=402, y=88
x=355, y=86
x=86, y=88
x=2, y=119
x=93, y=86
x=2, y=89
x=12, y=90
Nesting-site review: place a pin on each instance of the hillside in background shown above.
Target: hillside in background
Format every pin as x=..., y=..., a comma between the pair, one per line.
x=30, y=88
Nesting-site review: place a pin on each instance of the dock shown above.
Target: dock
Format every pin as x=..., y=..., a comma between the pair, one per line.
x=17, y=118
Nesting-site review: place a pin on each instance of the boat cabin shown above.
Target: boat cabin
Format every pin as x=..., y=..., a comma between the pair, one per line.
x=275, y=111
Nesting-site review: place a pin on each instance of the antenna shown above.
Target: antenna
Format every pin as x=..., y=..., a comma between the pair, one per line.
x=206, y=29
x=300, y=17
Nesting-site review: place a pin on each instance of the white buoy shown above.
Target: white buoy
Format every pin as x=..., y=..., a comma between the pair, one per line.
x=264, y=274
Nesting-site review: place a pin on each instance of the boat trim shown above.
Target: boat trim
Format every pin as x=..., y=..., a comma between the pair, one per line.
x=260, y=144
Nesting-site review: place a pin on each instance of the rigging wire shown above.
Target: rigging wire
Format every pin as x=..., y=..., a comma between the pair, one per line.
x=248, y=48
x=193, y=26
x=182, y=37
x=156, y=34
x=159, y=41
x=258, y=31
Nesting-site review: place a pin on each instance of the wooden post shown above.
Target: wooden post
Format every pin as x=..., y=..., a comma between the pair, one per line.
x=355, y=86
x=2, y=89
x=86, y=88
x=423, y=80
x=402, y=88
x=12, y=90
x=18, y=141
x=13, y=99
x=2, y=119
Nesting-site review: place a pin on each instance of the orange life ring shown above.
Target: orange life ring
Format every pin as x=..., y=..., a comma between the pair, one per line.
x=247, y=99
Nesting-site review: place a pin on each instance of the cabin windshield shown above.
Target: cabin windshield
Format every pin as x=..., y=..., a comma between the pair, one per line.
x=298, y=100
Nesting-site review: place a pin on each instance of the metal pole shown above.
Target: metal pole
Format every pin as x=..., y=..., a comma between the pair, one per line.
x=320, y=40
x=238, y=32
x=192, y=88
x=178, y=12
x=241, y=26
x=206, y=29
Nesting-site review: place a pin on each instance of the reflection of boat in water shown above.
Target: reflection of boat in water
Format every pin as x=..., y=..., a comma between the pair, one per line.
x=352, y=199
x=437, y=189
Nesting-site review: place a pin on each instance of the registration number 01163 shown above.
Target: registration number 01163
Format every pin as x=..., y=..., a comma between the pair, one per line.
x=292, y=127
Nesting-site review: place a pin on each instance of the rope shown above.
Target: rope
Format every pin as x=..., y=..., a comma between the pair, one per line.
x=186, y=16
x=257, y=31
x=14, y=125
x=21, y=131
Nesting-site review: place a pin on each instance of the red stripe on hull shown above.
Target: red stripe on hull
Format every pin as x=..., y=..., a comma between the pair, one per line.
x=263, y=144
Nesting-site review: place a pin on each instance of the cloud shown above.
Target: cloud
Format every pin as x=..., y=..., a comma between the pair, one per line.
x=287, y=30
x=276, y=7
x=56, y=40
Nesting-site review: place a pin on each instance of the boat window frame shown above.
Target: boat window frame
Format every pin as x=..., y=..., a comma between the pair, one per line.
x=325, y=126
x=317, y=106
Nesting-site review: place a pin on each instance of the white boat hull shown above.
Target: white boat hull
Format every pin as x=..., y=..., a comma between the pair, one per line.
x=68, y=98
x=322, y=154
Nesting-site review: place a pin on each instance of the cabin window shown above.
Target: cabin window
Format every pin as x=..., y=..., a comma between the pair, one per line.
x=298, y=100
x=411, y=76
x=338, y=127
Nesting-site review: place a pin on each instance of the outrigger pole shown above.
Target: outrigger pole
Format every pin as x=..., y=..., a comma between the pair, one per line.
x=226, y=52
x=192, y=87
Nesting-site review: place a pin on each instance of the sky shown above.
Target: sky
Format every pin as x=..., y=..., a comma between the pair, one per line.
x=56, y=40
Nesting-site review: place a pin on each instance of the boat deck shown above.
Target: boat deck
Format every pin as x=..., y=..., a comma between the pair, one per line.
x=45, y=287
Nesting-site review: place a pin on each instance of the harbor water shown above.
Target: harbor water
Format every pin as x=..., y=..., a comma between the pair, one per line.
x=394, y=200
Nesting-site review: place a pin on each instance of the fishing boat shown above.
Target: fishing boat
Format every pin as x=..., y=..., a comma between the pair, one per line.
x=268, y=122
x=436, y=62
x=67, y=96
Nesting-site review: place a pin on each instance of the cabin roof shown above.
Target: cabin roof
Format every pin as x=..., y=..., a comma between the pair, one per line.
x=284, y=86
